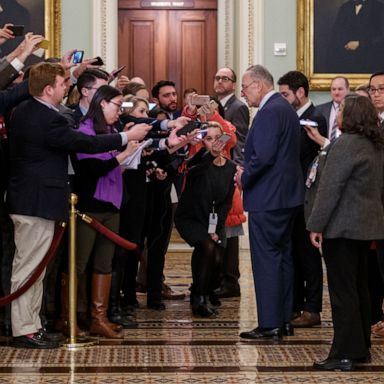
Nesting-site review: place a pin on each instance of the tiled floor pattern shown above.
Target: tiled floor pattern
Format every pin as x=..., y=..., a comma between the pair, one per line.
x=172, y=347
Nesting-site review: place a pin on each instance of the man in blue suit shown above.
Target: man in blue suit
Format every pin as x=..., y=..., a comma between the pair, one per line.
x=272, y=182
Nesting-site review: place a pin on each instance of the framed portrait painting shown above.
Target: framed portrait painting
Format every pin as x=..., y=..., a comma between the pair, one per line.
x=340, y=37
x=37, y=16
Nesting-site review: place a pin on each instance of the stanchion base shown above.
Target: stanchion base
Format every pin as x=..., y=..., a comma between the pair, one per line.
x=80, y=344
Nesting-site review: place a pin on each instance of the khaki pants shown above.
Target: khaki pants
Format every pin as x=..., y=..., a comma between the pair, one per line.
x=33, y=237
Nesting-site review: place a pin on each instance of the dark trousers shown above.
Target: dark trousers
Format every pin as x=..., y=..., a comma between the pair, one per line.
x=270, y=240
x=205, y=263
x=308, y=283
x=230, y=265
x=376, y=287
x=347, y=272
x=158, y=231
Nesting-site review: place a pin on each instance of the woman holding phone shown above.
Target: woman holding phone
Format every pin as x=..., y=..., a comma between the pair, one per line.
x=344, y=210
x=201, y=213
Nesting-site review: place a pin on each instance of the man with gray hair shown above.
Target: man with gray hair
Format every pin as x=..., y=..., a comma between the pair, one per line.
x=272, y=182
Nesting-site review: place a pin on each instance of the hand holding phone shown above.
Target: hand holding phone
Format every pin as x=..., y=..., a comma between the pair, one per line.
x=17, y=30
x=224, y=137
x=78, y=57
x=189, y=127
x=309, y=123
x=116, y=72
x=199, y=99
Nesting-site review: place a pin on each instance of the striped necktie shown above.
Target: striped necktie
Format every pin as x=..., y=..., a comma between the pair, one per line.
x=333, y=132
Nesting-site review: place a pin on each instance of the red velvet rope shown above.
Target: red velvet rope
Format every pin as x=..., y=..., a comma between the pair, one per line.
x=59, y=230
x=97, y=226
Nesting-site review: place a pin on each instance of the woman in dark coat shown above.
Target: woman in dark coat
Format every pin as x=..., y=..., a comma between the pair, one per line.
x=346, y=213
x=201, y=213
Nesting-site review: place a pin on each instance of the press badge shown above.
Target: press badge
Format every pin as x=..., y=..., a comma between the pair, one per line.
x=212, y=223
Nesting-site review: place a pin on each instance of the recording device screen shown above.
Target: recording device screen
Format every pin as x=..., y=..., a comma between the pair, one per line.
x=78, y=57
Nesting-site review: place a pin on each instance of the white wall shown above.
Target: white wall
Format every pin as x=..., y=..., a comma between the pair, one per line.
x=76, y=19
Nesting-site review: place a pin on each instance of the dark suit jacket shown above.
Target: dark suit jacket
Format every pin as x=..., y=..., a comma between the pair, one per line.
x=238, y=114
x=10, y=97
x=325, y=110
x=345, y=200
x=40, y=140
x=7, y=74
x=272, y=177
x=308, y=148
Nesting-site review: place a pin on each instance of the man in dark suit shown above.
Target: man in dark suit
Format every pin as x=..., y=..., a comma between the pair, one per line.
x=339, y=89
x=37, y=195
x=237, y=113
x=235, y=110
x=308, y=288
x=272, y=183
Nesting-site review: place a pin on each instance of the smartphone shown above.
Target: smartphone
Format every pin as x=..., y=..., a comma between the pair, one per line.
x=212, y=104
x=202, y=133
x=78, y=57
x=117, y=71
x=43, y=44
x=199, y=99
x=189, y=127
x=99, y=61
x=17, y=30
x=152, y=105
x=225, y=137
x=309, y=123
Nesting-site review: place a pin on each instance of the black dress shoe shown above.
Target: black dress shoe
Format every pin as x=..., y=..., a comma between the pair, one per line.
x=37, y=341
x=224, y=292
x=259, y=333
x=214, y=300
x=156, y=305
x=56, y=337
x=125, y=321
x=345, y=365
x=288, y=329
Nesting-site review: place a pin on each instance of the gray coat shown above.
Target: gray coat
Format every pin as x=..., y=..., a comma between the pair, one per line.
x=346, y=201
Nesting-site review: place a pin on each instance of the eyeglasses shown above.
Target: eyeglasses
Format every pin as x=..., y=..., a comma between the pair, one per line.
x=244, y=87
x=379, y=90
x=223, y=78
x=121, y=109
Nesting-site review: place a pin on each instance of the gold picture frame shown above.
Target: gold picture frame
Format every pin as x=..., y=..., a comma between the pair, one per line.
x=305, y=51
x=52, y=27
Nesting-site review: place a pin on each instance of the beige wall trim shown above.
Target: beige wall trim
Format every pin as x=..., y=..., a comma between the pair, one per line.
x=104, y=31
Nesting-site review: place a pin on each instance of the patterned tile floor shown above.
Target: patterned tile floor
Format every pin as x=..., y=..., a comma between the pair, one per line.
x=173, y=347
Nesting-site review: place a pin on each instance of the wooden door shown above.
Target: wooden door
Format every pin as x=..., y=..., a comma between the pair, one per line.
x=172, y=44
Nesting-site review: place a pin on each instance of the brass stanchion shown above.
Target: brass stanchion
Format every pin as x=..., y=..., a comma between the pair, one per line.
x=73, y=344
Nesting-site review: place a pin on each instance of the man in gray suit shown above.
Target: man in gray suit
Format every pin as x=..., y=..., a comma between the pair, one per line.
x=339, y=89
x=237, y=113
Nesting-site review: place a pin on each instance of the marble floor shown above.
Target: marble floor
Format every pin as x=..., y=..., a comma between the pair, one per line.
x=173, y=347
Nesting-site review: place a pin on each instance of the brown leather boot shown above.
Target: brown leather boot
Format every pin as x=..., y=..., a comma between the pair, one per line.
x=100, y=325
x=62, y=323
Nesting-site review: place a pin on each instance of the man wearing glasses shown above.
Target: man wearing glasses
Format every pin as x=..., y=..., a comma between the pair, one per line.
x=237, y=113
x=376, y=92
x=272, y=183
x=87, y=84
